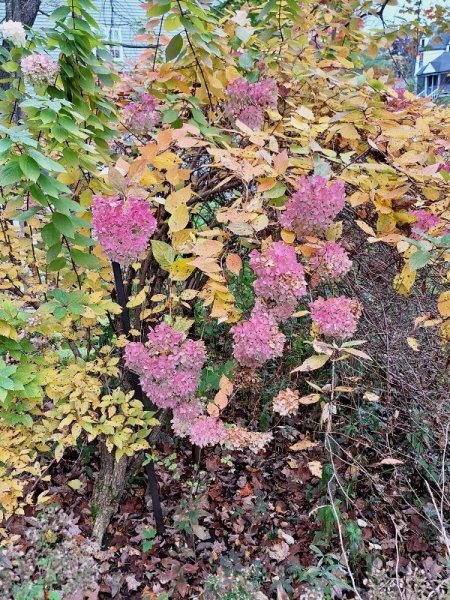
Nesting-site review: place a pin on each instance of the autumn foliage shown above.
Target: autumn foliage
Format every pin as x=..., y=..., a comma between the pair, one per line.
x=234, y=181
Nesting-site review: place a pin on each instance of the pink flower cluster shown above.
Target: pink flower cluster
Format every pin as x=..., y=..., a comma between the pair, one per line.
x=314, y=206
x=257, y=340
x=424, y=222
x=143, y=114
x=39, y=69
x=336, y=317
x=184, y=415
x=169, y=366
x=330, y=262
x=280, y=279
x=207, y=431
x=247, y=101
x=122, y=227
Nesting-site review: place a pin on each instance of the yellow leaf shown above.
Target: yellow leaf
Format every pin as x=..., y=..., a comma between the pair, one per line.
x=312, y=363
x=444, y=304
x=177, y=198
x=306, y=113
x=303, y=445
x=164, y=254
x=413, y=343
x=391, y=461
x=150, y=178
x=179, y=218
x=365, y=227
x=75, y=484
x=181, y=269
x=404, y=281
x=137, y=300
x=309, y=399
x=166, y=160
x=334, y=231
x=287, y=236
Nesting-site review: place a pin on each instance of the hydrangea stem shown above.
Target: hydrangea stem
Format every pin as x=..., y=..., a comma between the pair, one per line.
x=152, y=482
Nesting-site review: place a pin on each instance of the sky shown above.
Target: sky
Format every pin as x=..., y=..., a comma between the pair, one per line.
x=393, y=14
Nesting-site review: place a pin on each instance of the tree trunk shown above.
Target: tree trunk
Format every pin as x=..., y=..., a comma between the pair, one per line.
x=24, y=11
x=108, y=490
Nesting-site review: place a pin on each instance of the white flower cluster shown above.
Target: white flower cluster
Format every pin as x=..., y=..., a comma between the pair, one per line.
x=14, y=32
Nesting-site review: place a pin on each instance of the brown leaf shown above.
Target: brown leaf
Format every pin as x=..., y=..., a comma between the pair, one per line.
x=279, y=551
x=303, y=445
x=315, y=467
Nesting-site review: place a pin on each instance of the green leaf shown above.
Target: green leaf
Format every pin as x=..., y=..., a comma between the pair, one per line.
x=45, y=162
x=26, y=214
x=89, y=261
x=164, y=254
x=246, y=61
x=60, y=13
x=174, y=47
x=277, y=191
x=5, y=145
x=29, y=167
x=158, y=10
x=10, y=66
x=419, y=259
x=71, y=157
x=56, y=265
x=170, y=116
x=54, y=251
x=50, y=234
x=63, y=224
x=10, y=173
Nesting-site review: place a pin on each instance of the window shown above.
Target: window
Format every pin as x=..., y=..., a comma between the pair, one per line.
x=114, y=34
x=422, y=43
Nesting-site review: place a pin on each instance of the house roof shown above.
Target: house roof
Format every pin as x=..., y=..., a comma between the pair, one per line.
x=438, y=41
x=441, y=64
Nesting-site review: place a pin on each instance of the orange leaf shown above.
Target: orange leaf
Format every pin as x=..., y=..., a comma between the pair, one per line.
x=234, y=263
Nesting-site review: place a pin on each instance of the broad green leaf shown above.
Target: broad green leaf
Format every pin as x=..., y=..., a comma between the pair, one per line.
x=50, y=234
x=174, y=47
x=84, y=259
x=10, y=173
x=29, y=167
x=63, y=224
x=45, y=162
x=419, y=259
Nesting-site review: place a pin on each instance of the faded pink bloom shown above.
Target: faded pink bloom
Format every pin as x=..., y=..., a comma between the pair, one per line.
x=264, y=93
x=330, y=262
x=314, y=206
x=39, y=69
x=239, y=438
x=286, y=402
x=123, y=228
x=252, y=116
x=207, y=431
x=169, y=366
x=246, y=101
x=143, y=114
x=184, y=415
x=280, y=279
x=336, y=317
x=424, y=222
x=257, y=340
